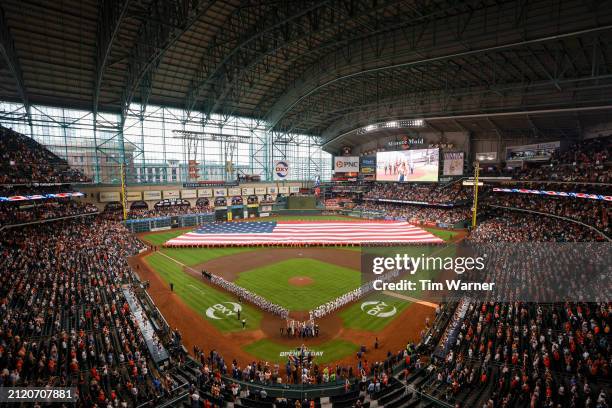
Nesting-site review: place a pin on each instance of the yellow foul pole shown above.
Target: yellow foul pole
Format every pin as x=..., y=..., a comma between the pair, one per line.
x=475, y=205
x=123, y=195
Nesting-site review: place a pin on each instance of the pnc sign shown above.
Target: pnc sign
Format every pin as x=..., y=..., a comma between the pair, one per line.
x=346, y=164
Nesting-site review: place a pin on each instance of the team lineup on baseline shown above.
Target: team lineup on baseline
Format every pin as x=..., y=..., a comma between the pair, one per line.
x=309, y=296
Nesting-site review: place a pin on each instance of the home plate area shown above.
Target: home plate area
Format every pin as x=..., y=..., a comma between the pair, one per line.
x=293, y=299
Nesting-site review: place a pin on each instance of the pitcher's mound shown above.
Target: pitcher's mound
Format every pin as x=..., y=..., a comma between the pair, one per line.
x=300, y=281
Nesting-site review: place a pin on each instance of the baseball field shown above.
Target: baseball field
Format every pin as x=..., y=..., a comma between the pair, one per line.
x=298, y=279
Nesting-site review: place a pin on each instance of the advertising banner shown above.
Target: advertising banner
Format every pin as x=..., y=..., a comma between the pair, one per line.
x=453, y=164
x=220, y=192
x=281, y=170
x=133, y=195
x=171, y=194
x=205, y=192
x=189, y=193
x=152, y=195
x=109, y=196
x=368, y=165
x=346, y=164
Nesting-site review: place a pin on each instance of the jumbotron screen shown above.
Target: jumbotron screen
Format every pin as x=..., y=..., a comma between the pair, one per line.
x=408, y=165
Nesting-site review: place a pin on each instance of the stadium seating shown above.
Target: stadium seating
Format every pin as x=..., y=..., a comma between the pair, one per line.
x=70, y=325
x=66, y=320
x=586, y=161
x=24, y=161
x=431, y=193
x=14, y=213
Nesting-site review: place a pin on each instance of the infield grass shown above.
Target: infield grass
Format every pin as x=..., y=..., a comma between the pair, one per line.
x=199, y=296
x=271, y=282
x=333, y=350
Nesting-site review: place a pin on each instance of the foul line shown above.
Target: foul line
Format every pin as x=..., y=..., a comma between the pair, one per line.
x=410, y=299
x=195, y=287
x=172, y=259
x=386, y=292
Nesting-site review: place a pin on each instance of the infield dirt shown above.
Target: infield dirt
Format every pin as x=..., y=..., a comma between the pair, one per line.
x=196, y=330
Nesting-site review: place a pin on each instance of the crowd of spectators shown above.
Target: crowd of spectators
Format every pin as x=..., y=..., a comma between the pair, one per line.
x=40, y=210
x=167, y=211
x=595, y=213
x=536, y=355
x=448, y=215
x=63, y=318
x=528, y=354
x=24, y=161
x=509, y=226
x=586, y=161
x=430, y=193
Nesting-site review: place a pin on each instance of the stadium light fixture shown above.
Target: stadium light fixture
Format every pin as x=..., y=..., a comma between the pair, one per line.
x=393, y=124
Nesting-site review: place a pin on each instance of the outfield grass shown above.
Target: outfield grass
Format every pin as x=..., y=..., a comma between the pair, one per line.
x=354, y=317
x=444, y=234
x=200, y=296
x=333, y=350
x=196, y=256
x=271, y=282
x=159, y=238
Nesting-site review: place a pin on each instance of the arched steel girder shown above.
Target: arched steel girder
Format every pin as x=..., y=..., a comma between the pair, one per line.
x=110, y=16
x=273, y=122
x=416, y=16
x=167, y=21
x=7, y=49
x=573, y=110
x=439, y=98
x=210, y=71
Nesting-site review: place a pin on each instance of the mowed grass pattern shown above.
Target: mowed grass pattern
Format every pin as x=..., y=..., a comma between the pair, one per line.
x=444, y=234
x=199, y=296
x=159, y=238
x=271, y=282
x=353, y=317
x=196, y=256
x=332, y=350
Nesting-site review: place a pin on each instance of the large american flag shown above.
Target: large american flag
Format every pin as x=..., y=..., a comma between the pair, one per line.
x=312, y=233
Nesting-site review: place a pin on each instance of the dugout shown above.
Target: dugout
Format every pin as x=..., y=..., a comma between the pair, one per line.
x=139, y=205
x=220, y=209
x=237, y=208
x=202, y=203
x=252, y=210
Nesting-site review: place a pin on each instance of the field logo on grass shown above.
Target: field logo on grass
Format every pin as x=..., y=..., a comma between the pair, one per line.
x=378, y=308
x=221, y=311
